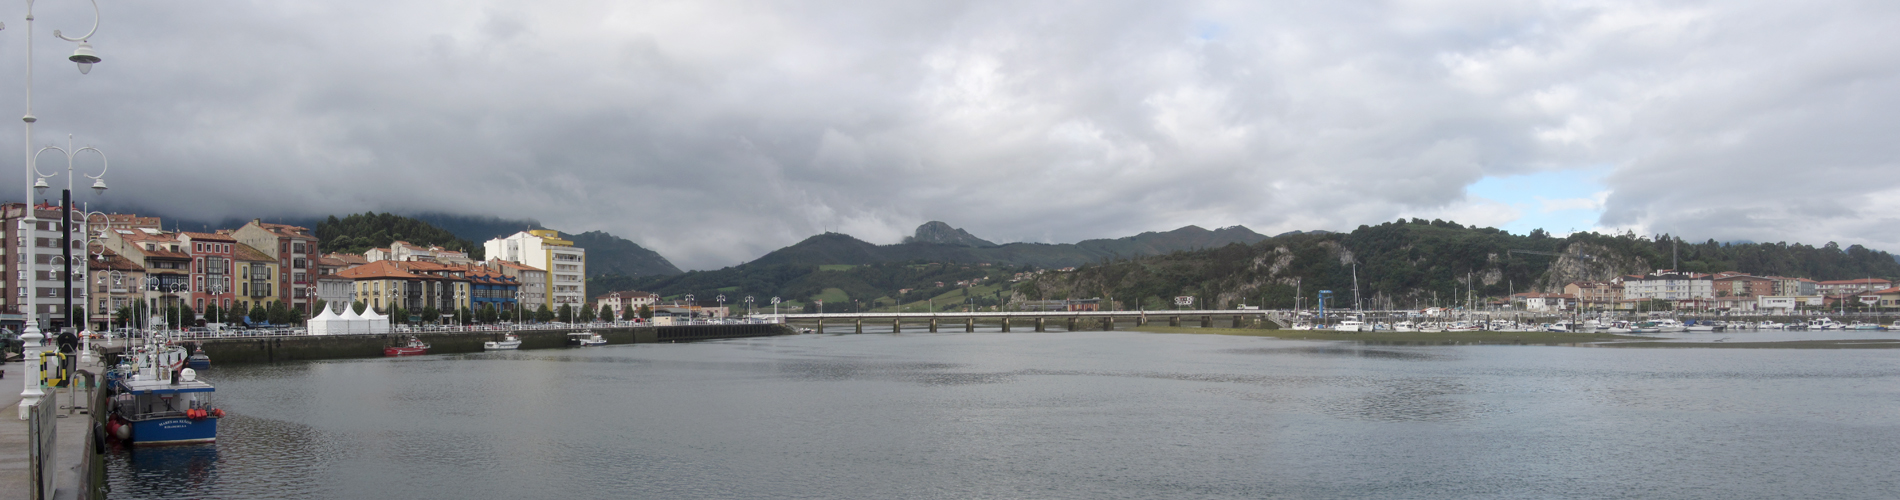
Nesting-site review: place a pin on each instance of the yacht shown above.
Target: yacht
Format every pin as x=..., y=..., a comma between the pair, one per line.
x=510, y=342
x=1351, y=325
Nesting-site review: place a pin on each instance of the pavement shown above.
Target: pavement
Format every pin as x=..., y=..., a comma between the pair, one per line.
x=73, y=432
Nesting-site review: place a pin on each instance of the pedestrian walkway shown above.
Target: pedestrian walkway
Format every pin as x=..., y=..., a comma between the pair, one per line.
x=73, y=429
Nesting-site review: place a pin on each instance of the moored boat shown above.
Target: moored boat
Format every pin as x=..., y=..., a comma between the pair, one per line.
x=509, y=342
x=414, y=347
x=158, y=401
x=585, y=339
x=198, y=359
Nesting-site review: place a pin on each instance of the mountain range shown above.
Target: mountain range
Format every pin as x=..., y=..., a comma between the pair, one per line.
x=938, y=242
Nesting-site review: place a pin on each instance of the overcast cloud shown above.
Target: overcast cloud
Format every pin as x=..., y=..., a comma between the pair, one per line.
x=716, y=131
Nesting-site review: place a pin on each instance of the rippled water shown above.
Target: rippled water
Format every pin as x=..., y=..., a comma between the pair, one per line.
x=1048, y=415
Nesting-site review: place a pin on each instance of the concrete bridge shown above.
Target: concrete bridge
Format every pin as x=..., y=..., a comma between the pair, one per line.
x=1073, y=320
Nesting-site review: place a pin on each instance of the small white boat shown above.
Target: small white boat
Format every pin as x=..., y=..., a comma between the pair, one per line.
x=511, y=342
x=1823, y=324
x=585, y=339
x=1618, y=327
x=1351, y=325
x=1301, y=325
x=1670, y=325
x=1461, y=326
x=1404, y=326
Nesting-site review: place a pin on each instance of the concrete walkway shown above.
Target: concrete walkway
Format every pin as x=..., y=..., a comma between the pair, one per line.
x=74, y=431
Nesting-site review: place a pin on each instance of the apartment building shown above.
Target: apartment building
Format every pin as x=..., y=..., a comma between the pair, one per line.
x=1668, y=284
x=543, y=249
x=45, y=277
x=295, y=250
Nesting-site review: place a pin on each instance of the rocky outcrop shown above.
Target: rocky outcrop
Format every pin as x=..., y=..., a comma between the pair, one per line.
x=942, y=234
x=1588, y=262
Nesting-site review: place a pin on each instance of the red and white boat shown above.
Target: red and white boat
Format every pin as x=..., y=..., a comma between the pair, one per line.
x=414, y=348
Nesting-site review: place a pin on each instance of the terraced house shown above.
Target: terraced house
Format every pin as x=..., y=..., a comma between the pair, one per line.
x=295, y=250
x=257, y=278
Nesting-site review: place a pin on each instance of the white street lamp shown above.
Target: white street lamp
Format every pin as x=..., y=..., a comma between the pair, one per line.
x=31, y=335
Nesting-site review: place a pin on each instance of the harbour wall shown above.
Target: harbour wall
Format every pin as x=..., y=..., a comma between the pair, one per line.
x=310, y=347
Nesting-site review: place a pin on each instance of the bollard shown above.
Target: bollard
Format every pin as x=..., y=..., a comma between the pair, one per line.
x=933, y=325
x=1006, y=323
x=897, y=325
x=969, y=324
x=860, y=325
x=821, y=325
x=1039, y=326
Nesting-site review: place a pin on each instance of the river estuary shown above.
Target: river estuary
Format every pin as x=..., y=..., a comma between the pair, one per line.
x=1047, y=415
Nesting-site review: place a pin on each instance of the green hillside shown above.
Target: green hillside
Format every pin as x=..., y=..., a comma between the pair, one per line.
x=1420, y=263
x=360, y=232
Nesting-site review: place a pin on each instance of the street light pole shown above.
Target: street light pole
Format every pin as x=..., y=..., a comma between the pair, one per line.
x=31, y=336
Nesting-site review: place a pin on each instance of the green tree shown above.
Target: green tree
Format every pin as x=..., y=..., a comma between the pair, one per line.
x=566, y=313
x=213, y=313
x=430, y=314
x=360, y=307
x=278, y=314
x=544, y=314
x=630, y=314
x=505, y=314
x=259, y=314
x=321, y=304
x=646, y=312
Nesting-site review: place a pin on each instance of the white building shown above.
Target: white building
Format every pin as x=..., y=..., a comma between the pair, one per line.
x=566, y=264
x=1667, y=284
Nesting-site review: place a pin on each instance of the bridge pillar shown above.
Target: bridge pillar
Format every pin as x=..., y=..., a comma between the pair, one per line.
x=1207, y=321
x=1141, y=320
x=897, y=325
x=1071, y=325
x=1039, y=326
x=969, y=324
x=1236, y=321
x=1108, y=323
x=821, y=325
x=1174, y=321
x=1006, y=323
x=860, y=322
x=933, y=325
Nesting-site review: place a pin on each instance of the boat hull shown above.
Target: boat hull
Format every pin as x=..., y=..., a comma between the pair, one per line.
x=174, y=431
x=405, y=351
x=501, y=346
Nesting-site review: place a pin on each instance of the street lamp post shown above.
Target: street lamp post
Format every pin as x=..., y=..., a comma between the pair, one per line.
x=691, y=314
x=775, y=311
x=722, y=305
x=748, y=307
x=31, y=336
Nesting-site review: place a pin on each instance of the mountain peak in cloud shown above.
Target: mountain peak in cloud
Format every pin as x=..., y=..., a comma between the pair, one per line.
x=941, y=233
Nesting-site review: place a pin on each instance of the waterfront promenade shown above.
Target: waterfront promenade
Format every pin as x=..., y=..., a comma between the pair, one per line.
x=71, y=442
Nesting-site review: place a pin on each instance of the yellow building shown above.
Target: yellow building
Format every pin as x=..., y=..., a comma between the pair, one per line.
x=256, y=279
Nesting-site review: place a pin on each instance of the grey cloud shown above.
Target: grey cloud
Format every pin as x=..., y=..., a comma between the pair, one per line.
x=716, y=131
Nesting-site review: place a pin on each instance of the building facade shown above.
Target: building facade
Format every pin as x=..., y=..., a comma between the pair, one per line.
x=621, y=302
x=533, y=282
x=45, y=277
x=1742, y=286
x=117, y=283
x=257, y=277
x=1667, y=284
x=1848, y=287
x=1596, y=294
x=295, y=249
x=564, y=263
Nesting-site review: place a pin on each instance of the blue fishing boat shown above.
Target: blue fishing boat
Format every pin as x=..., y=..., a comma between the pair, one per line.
x=158, y=401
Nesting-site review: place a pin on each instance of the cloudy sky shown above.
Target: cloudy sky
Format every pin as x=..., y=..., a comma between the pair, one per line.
x=716, y=131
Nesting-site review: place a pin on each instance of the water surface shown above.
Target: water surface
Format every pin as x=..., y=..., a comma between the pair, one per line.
x=1047, y=415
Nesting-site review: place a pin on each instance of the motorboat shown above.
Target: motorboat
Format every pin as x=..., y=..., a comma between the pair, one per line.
x=1823, y=324
x=1301, y=325
x=156, y=400
x=414, y=347
x=1860, y=325
x=1618, y=327
x=507, y=343
x=198, y=359
x=1589, y=326
x=1461, y=326
x=1351, y=325
x=1670, y=325
x=1404, y=326
x=585, y=339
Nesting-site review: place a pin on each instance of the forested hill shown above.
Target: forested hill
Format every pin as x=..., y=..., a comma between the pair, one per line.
x=1412, y=263
x=842, y=249
x=360, y=232
x=612, y=255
